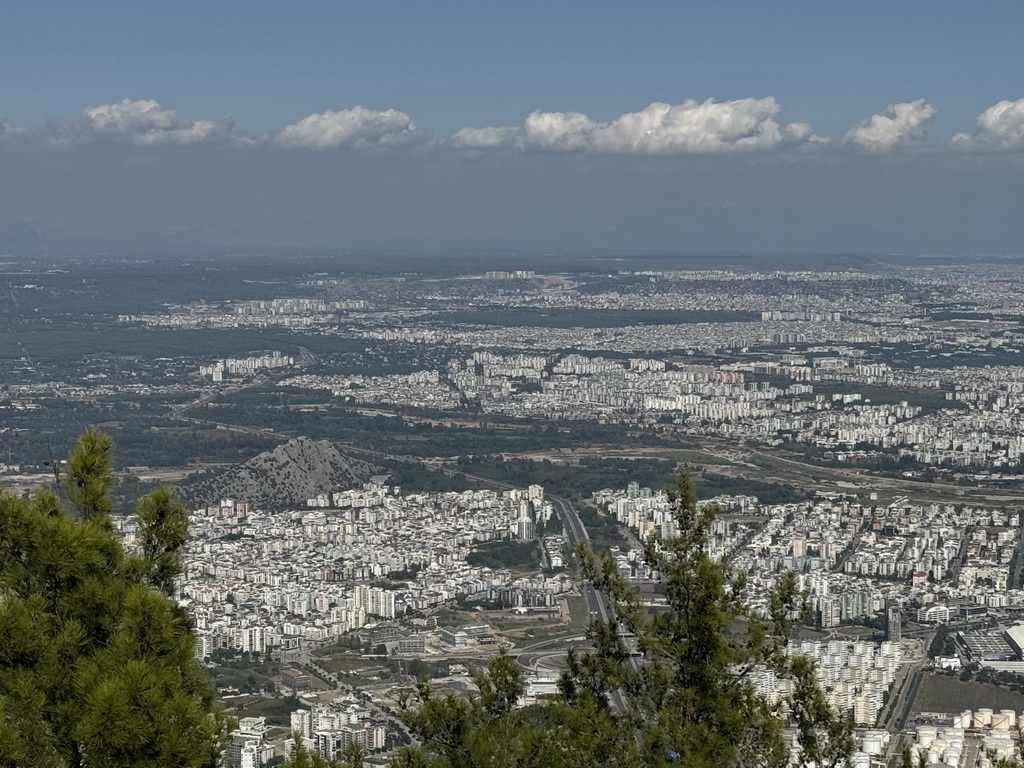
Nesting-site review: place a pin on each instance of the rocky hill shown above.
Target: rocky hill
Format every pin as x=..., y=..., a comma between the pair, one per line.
x=281, y=478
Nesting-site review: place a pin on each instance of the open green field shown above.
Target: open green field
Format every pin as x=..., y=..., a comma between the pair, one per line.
x=578, y=612
x=344, y=662
x=940, y=693
x=855, y=631
x=276, y=709
x=928, y=399
x=692, y=456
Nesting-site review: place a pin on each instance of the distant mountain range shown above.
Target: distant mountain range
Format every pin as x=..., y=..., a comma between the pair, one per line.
x=282, y=478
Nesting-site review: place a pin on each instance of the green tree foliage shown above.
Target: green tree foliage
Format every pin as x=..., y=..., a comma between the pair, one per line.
x=163, y=531
x=689, y=701
x=89, y=481
x=97, y=665
x=488, y=730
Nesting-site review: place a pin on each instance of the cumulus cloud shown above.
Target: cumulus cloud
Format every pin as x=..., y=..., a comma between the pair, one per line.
x=690, y=127
x=899, y=125
x=356, y=128
x=145, y=122
x=6, y=129
x=1001, y=126
x=486, y=138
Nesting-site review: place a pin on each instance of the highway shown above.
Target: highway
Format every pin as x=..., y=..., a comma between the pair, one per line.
x=529, y=658
x=576, y=532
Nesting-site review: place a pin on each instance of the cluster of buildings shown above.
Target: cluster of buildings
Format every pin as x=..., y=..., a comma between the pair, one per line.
x=329, y=729
x=257, y=581
x=976, y=427
x=906, y=541
x=421, y=389
x=777, y=344
x=249, y=746
x=518, y=274
x=293, y=306
x=857, y=561
x=561, y=386
x=801, y=315
x=644, y=512
x=246, y=366
x=855, y=676
x=295, y=312
x=640, y=339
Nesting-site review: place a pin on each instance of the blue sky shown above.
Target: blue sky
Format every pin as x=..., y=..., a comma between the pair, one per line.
x=451, y=64
x=789, y=80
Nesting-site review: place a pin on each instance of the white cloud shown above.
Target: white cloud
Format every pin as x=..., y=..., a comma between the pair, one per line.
x=901, y=124
x=1001, y=126
x=357, y=128
x=485, y=138
x=690, y=127
x=145, y=122
x=8, y=131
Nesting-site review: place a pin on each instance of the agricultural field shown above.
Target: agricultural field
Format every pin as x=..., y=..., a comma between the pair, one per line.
x=940, y=693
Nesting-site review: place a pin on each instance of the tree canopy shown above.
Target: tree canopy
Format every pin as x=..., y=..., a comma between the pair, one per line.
x=97, y=663
x=689, y=701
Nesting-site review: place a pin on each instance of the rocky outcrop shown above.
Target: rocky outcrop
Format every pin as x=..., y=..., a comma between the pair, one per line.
x=282, y=478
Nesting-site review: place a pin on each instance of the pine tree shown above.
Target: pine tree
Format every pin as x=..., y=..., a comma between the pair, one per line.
x=97, y=664
x=489, y=730
x=163, y=531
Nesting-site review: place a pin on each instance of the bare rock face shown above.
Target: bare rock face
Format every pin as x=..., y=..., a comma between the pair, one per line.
x=282, y=478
